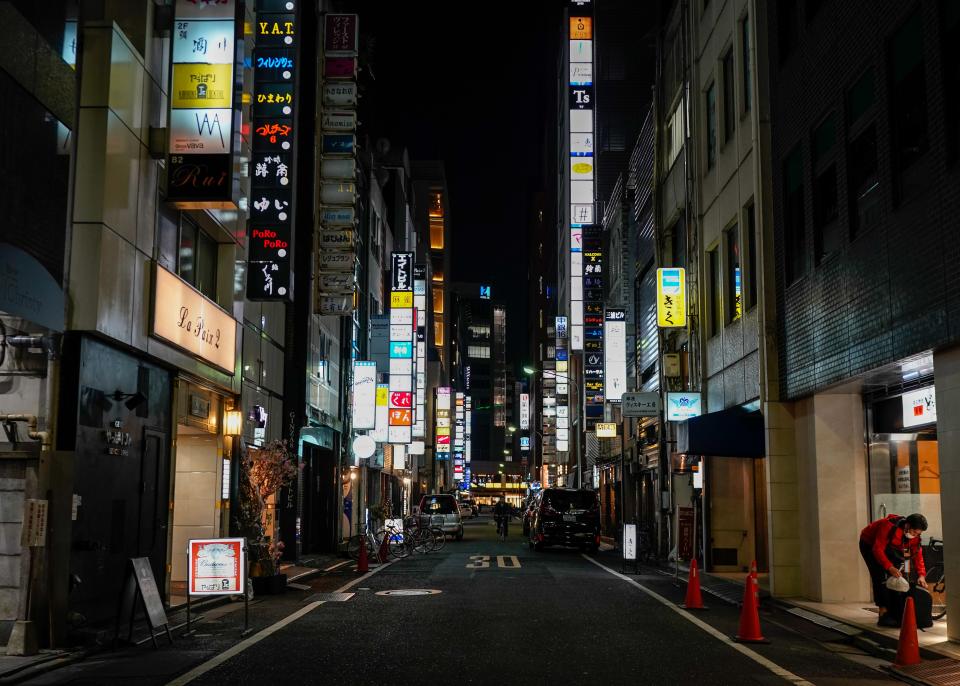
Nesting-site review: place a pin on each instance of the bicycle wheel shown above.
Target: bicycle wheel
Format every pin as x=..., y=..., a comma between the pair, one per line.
x=399, y=545
x=938, y=591
x=439, y=538
x=422, y=541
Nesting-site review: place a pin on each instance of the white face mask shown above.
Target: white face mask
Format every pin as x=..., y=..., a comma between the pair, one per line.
x=910, y=535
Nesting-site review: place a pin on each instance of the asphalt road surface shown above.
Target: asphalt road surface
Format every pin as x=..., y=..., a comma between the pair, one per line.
x=497, y=613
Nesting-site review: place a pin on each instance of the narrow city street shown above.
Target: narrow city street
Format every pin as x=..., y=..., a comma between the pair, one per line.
x=496, y=613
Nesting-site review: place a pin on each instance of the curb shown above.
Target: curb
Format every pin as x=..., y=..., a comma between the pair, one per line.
x=28, y=672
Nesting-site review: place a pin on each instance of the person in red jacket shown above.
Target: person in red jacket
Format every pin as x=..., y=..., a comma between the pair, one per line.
x=891, y=546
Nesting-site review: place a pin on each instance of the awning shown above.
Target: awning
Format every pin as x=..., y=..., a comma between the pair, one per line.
x=735, y=432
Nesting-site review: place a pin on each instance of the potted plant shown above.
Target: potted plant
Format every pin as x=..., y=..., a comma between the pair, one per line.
x=264, y=472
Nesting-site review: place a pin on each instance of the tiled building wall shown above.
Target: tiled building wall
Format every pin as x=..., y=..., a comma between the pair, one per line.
x=890, y=292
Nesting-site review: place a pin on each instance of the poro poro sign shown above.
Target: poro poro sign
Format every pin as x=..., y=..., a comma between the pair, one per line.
x=217, y=566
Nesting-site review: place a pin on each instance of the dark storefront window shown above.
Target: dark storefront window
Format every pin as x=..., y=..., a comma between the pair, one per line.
x=745, y=62
x=908, y=102
x=794, y=216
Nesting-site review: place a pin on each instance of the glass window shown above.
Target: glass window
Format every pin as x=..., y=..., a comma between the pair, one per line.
x=729, y=103
x=716, y=291
x=562, y=501
x=950, y=60
x=197, y=258
x=752, y=274
x=734, y=274
x=794, y=216
x=479, y=351
x=745, y=62
x=711, y=105
x=863, y=182
x=908, y=109
x=826, y=231
x=860, y=98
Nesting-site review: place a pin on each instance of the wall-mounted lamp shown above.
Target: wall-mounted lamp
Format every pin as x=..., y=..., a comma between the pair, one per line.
x=233, y=423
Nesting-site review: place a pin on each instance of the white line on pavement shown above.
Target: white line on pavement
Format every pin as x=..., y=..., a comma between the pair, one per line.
x=218, y=660
x=339, y=564
x=720, y=636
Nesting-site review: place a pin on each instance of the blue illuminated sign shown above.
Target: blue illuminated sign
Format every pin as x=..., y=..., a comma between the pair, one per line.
x=485, y=292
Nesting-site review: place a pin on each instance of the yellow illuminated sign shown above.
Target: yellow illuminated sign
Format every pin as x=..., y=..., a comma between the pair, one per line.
x=401, y=299
x=671, y=297
x=202, y=86
x=606, y=430
x=382, y=395
x=581, y=28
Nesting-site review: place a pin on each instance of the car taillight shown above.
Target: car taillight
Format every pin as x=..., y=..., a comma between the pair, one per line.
x=596, y=539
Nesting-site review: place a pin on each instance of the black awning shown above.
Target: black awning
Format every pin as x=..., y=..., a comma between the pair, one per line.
x=735, y=432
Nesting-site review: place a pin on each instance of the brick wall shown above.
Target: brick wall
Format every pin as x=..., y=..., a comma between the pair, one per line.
x=892, y=291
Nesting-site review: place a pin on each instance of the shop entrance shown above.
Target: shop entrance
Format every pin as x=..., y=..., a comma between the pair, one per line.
x=319, y=499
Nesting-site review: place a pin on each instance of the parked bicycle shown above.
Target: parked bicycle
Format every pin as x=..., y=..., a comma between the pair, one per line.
x=936, y=578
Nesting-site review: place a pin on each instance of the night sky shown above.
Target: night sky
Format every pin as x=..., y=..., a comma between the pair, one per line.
x=469, y=84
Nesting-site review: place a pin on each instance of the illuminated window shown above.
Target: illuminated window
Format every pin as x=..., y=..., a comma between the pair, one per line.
x=479, y=351
x=437, y=300
x=479, y=331
x=438, y=334
x=436, y=204
x=436, y=233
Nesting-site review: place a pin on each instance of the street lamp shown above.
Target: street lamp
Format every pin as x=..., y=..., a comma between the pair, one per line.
x=533, y=371
x=512, y=429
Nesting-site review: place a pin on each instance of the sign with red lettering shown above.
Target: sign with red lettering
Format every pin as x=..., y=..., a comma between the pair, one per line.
x=443, y=440
x=216, y=566
x=401, y=399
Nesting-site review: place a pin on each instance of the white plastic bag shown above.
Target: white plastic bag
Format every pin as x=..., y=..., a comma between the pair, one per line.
x=898, y=583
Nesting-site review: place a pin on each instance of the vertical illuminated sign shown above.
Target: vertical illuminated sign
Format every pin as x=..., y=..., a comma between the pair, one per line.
x=593, y=343
x=364, y=403
x=200, y=125
x=420, y=305
x=615, y=354
x=273, y=159
x=468, y=431
x=381, y=430
x=402, y=338
x=671, y=297
x=580, y=170
x=443, y=425
x=524, y=411
x=335, y=245
x=459, y=438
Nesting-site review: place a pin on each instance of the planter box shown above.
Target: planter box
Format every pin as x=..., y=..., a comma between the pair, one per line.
x=269, y=585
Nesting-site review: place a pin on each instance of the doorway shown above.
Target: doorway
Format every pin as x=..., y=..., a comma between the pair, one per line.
x=319, y=499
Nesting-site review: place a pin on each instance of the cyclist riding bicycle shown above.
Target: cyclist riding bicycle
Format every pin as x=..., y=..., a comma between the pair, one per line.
x=501, y=514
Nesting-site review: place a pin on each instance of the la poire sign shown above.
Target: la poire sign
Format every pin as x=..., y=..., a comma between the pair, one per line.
x=185, y=318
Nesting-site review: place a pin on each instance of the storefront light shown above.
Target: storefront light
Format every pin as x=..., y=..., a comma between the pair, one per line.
x=233, y=423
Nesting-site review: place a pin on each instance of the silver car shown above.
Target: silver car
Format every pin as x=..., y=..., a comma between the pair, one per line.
x=442, y=510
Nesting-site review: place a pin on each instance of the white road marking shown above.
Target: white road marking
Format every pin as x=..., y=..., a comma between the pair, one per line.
x=235, y=650
x=716, y=633
x=339, y=564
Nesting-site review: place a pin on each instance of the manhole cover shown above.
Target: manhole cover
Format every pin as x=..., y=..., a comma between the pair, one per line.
x=410, y=591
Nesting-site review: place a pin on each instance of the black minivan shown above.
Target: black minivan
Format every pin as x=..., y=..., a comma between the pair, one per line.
x=566, y=516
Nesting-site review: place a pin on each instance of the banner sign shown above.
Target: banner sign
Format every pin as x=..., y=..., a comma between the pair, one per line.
x=402, y=346
x=615, y=354
x=671, y=297
x=272, y=163
x=593, y=323
x=202, y=106
x=364, y=395
x=216, y=566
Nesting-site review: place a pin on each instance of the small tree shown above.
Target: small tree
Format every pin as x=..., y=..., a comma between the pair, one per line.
x=264, y=471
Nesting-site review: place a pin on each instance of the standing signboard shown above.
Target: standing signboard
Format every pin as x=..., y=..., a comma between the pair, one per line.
x=216, y=566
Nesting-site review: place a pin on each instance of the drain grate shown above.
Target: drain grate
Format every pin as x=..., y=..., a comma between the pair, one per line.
x=944, y=672
x=328, y=597
x=825, y=622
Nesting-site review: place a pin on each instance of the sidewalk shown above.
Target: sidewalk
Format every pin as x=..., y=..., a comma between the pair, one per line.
x=14, y=669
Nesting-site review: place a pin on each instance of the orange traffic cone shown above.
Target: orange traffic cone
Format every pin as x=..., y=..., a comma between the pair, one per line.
x=362, y=565
x=908, y=647
x=749, y=615
x=693, y=601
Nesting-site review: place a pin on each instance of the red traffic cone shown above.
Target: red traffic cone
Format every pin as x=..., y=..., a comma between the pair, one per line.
x=693, y=601
x=749, y=615
x=362, y=565
x=908, y=647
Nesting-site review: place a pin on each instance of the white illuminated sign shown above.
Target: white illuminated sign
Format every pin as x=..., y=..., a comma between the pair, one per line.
x=364, y=395
x=524, y=410
x=919, y=407
x=614, y=354
x=683, y=406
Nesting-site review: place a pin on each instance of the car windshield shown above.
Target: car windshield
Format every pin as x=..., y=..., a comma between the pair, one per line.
x=562, y=501
x=437, y=505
